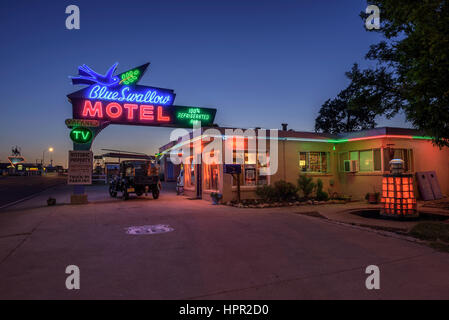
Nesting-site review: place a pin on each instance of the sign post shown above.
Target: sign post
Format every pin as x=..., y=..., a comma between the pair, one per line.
x=118, y=99
x=234, y=169
x=79, y=174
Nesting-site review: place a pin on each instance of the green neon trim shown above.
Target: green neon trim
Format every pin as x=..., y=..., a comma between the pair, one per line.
x=337, y=140
x=290, y=139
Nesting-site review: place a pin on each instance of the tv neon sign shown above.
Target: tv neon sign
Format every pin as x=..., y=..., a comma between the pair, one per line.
x=81, y=135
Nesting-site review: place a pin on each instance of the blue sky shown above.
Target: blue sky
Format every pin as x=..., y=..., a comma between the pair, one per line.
x=260, y=63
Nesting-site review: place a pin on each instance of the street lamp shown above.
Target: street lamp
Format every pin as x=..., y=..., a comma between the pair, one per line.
x=43, y=154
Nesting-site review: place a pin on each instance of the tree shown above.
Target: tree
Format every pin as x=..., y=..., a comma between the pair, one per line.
x=416, y=54
x=412, y=72
x=356, y=107
x=306, y=185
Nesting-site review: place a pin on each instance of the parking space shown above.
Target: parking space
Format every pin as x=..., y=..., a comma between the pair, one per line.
x=211, y=252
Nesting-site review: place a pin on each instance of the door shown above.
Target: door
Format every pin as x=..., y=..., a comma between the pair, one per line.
x=170, y=172
x=199, y=181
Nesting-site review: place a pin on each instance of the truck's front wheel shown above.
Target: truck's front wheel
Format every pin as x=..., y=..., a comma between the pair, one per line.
x=125, y=194
x=112, y=191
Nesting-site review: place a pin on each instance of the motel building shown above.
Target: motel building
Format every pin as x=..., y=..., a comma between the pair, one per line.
x=349, y=164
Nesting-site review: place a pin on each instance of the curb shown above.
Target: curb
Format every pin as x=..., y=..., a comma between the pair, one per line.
x=28, y=197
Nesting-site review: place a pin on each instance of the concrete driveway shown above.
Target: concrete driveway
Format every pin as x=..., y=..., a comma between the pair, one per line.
x=214, y=252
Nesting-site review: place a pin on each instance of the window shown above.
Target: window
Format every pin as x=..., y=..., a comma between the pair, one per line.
x=252, y=169
x=314, y=162
x=189, y=173
x=342, y=157
x=250, y=175
x=211, y=172
x=377, y=158
x=366, y=160
x=369, y=160
x=354, y=155
x=404, y=154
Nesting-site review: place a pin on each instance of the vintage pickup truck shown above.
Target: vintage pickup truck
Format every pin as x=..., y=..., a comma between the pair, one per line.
x=136, y=176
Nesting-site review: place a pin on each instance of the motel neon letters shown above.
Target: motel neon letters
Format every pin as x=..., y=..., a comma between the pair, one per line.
x=129, y=112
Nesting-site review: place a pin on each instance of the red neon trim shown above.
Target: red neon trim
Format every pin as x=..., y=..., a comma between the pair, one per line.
x=380, y=137
x=97, y=109
x=146, y=112
x=130, y=108
x=111, y=114
x=161, y=117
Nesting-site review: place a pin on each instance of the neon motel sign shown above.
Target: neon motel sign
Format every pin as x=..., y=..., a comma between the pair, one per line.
x=152, y=96
x=120, y=100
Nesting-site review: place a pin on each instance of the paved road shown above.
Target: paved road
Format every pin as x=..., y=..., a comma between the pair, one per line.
x=13, y=188
x=214, y=252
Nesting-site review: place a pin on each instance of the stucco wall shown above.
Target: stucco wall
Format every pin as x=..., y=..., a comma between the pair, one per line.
x=426, y=157
x=429, y=158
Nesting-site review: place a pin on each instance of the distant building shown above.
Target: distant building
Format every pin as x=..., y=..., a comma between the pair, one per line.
x=22, y=169
x=4, y=168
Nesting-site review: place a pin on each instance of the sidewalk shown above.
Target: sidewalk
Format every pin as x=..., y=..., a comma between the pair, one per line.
x=344, y=213
x=435, y=206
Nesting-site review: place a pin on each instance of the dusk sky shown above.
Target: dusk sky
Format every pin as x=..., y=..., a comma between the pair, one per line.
x=260, y=63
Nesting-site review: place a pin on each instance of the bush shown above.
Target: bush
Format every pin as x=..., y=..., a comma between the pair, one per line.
x=280, y=191
x=320, y=194
x=285, y=191
x=306, y=185
x=266, y=193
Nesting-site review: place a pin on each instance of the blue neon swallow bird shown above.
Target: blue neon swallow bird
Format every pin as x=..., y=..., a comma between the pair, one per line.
x=87, y=76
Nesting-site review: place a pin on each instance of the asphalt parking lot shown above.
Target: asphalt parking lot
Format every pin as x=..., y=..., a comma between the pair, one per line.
x=13, y=188
x=213, y=252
